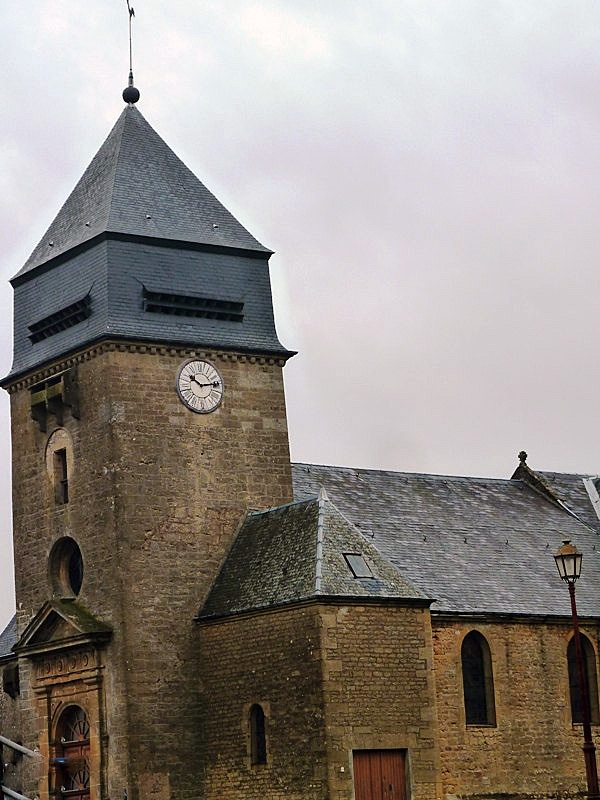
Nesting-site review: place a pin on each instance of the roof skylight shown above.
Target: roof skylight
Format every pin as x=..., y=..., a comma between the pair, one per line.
x=358, y=565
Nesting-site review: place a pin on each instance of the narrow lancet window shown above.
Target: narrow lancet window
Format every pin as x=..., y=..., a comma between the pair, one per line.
x=589, y=666
x=258, y=740
x=478, y=681
x=61, y=477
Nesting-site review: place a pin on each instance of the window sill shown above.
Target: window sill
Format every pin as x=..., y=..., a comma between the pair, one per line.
x=481, y=725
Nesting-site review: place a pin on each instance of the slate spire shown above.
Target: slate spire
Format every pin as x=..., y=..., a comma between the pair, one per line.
x=137, y=186
x=141, y=250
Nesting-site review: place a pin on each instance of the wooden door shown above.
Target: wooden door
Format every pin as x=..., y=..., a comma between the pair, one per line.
x=379, y=774
x=72, y=777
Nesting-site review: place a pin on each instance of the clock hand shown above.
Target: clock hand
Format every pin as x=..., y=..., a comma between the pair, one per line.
x=214, y=384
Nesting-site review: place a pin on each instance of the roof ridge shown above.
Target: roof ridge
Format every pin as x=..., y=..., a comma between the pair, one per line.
x=322, y=499
x=372, y=470
x=123, y=116
x=292, y=503
x=340, y=513
x=567, y=474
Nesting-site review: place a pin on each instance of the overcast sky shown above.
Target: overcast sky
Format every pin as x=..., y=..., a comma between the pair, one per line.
x=427, y=173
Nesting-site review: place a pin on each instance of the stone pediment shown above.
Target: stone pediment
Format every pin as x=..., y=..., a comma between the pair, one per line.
x=60, y=625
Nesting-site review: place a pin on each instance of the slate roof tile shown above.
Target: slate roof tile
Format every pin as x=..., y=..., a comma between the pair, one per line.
x=475, y=545
x=294, y=553
x=571, y=490
x=136, y=185
x=8, y=637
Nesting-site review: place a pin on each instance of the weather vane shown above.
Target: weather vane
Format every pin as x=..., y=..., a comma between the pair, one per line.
x=130, y=94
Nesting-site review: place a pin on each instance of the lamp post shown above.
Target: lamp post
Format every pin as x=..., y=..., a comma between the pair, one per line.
x=568, y=562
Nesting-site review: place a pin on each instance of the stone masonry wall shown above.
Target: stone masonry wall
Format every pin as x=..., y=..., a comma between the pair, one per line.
x=38, y=522
x=183, y=482
x=533, y=749
x=156, y=494
x=272, y=659
x=379, y=692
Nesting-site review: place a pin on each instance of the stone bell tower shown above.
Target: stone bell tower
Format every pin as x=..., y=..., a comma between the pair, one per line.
x=148, y=415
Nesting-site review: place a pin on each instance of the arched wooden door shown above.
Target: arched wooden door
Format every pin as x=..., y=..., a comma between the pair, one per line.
x=72, y=778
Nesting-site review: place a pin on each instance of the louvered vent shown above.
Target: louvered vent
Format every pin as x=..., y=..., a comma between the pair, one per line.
x=61, y=320
x=182, y=305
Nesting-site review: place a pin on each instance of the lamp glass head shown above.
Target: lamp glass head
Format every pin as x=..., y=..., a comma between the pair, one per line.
x=568, y=561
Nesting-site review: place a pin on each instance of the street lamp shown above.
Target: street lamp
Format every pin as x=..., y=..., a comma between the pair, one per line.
x=568, y=562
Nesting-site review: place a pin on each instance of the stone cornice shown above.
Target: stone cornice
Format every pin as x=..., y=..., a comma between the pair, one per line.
x=92, y=351
x=93, y=639
x=451, y=617
x=318, y=600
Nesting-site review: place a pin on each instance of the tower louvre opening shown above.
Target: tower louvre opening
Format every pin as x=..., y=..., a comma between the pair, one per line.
x=192, y=306
x=60, y=320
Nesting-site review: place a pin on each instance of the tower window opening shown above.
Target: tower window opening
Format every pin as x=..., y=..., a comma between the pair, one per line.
x=258, y=739
x=61, y=477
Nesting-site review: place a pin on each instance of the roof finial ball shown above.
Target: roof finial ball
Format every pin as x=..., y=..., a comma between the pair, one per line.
x=130, y=94
x=522, y=456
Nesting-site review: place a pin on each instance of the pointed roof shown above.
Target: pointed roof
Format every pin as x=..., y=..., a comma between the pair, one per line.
x=136, y=185
x=298, y=552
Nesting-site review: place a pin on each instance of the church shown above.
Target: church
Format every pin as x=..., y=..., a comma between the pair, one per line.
x=197, y=617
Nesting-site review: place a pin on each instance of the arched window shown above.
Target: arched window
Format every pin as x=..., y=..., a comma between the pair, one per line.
x=589, y=665
x=478, y=680
x=72, y=749
x=258, y=740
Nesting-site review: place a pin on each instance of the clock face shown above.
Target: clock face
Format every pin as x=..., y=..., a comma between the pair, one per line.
x=200, y=386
